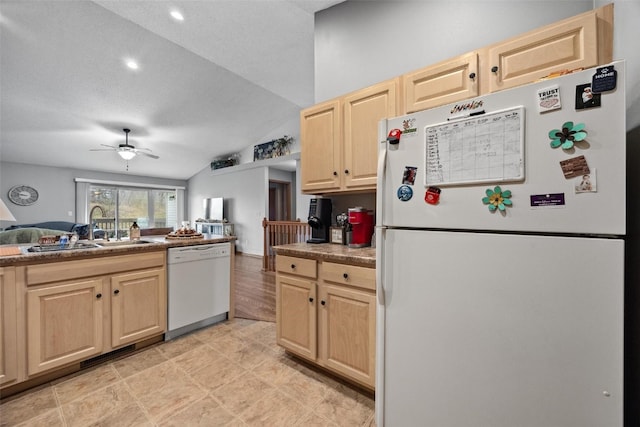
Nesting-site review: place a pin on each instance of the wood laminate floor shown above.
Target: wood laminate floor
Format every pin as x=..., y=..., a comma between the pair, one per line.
x=255, y=289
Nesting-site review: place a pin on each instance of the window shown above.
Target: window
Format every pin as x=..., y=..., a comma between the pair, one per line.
x=114, y=208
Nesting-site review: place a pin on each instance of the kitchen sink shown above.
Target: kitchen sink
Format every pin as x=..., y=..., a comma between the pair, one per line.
x=112, y=243
x=56, y=248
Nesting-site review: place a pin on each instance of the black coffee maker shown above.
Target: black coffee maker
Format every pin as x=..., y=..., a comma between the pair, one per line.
x=319, y=220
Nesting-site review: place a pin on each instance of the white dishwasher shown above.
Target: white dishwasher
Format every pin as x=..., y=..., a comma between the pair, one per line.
x=199, y=285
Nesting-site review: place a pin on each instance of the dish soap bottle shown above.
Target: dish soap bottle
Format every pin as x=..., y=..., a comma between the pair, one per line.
x=134, y=231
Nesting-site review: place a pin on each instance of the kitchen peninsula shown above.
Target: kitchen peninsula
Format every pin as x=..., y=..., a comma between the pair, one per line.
x=68, y=309
x=326, y=307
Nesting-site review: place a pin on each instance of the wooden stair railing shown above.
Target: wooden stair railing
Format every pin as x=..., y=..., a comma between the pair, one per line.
x=281, y=233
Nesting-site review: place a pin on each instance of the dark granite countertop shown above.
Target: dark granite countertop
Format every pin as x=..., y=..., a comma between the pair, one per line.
x=156, y=243
x=365, y=257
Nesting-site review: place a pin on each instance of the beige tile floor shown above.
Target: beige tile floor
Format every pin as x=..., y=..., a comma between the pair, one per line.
x=230, y=374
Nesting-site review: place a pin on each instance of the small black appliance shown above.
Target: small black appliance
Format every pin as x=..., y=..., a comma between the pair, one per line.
x=319, y=220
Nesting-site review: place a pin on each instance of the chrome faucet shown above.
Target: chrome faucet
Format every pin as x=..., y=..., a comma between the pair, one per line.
x=93, y=209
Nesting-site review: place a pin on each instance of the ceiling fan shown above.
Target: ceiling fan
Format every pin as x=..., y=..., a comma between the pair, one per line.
x=126, y=150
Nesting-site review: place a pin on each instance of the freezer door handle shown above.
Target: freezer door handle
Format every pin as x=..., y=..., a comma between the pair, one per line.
x=382, y=166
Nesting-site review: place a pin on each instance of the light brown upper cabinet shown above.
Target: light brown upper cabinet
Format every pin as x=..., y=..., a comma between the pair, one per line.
x=580, y=42
x=448, y=81
x=321, y=147
x=583, y=41
x=339, y=139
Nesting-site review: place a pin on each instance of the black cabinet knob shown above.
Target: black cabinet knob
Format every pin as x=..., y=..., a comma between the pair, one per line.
x=335, y=173
x=98, y=296
x=346, y=171
x=310, y=299
x=494, y=69
x=322, y=302
x=345, y=275
x=472, y=76
x=117, y=291
x=293, y=266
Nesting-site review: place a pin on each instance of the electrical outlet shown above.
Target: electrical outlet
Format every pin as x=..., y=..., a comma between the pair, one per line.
x=70, y=213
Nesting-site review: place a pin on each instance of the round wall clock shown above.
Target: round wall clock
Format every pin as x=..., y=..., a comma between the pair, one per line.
x=23, y=195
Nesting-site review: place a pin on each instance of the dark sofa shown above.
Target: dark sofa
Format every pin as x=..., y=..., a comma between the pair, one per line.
x=82, y=230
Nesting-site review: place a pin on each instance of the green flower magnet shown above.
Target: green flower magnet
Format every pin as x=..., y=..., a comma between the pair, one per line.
x=497, y=199
x=566, y=136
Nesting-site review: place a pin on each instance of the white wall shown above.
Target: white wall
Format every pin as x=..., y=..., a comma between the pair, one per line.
x=56, y=189
x=359, y=43
x=246, y=197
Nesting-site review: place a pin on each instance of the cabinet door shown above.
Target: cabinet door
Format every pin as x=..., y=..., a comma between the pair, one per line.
x=347, y=332
x=296, y=315
x=138, y=306
x=8, y=328
x=64, y=324
x=362, y=112
x=568, y=44
x=449, y=81
x=320, y=145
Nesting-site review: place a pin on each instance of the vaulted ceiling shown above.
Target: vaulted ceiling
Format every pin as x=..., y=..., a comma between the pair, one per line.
x=230, y=74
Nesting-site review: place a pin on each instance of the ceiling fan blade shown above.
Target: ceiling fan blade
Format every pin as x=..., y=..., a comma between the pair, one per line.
x=110, y=146
x=153, y=156
x=148, y=150
x=101, y=149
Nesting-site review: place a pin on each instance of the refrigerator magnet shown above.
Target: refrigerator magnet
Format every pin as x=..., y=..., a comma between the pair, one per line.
x=409, y=175
x=405, y=193
x=567, y=136
x=604, y=80
x=394, y=136
x=574, y=167
x=585, y=98
x=497, y=199
x=549, y=99
x=586, y=183
x=432, y=196
x=550, y=200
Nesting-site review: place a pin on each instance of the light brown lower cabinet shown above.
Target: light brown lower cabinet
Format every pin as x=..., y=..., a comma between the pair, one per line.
x=8, y=327
x=80, y=309
x=327, y=315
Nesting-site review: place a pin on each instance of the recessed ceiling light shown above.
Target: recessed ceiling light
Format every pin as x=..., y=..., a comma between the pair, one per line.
x=132, y=64
x=177, y=15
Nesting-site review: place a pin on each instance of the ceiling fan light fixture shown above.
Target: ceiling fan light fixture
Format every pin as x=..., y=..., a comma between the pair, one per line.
x=127, y=154
x=132, y=64
x=175, y=14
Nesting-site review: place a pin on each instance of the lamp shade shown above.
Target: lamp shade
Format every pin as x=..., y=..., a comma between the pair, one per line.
x=5, y=213
x=127, y=154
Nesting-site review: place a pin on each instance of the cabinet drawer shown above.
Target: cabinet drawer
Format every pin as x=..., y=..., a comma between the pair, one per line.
x=361, y=277
x=298, y=266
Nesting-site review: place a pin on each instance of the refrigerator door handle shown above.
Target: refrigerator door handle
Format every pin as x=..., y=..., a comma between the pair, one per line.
x=381, y=233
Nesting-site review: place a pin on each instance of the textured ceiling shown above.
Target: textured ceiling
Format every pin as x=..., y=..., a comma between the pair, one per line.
x=230, y=74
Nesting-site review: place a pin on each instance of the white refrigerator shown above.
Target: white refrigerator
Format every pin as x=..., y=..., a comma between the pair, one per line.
x=500, y=258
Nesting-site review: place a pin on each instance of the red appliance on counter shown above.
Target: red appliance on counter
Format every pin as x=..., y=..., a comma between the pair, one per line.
x=362, y=224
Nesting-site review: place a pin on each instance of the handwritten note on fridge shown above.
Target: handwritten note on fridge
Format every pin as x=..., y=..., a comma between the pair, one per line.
x=480, y=149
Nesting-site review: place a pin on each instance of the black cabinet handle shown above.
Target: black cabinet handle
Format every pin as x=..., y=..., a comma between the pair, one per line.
x=472, y=76
x=335, y=173
x=98, y=296
x=293, y=266
x=345, y=275
x=323, y=302
x=310, y=299
x=494, y=69
x=346, y=171
x=117, y=291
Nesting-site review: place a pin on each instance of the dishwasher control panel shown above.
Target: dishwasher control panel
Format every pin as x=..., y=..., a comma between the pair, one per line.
x=197, y=252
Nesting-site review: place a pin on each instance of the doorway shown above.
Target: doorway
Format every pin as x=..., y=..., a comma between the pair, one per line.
x=279, y=200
